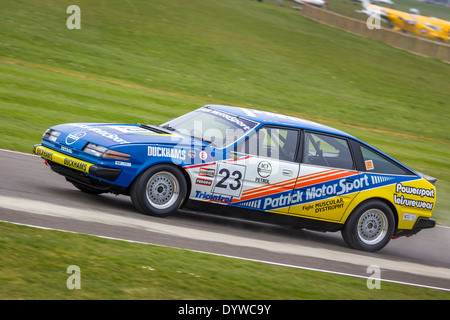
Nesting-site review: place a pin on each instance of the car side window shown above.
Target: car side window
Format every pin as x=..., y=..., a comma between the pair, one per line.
x=374, y=162
x=328, y=151
x=273, y=143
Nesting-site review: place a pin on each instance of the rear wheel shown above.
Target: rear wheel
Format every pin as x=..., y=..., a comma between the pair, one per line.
x=370, y=227
x=159, y=191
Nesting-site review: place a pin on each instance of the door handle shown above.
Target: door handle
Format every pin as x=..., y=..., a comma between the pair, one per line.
x=287, y=172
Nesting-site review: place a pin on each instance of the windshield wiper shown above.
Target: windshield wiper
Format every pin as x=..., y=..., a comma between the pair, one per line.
x=169, y=128
x=192, y=136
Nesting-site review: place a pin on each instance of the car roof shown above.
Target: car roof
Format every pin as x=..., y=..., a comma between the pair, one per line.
x=265, y=117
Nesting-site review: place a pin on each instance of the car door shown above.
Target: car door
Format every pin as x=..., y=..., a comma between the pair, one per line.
x=328, y=180
x=269, y=157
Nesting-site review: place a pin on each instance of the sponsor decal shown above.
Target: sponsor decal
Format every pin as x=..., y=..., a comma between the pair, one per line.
x=205, y=172
x=309, y=194
x=402, y=201
x=204, y=182
x=203, y=155
x=344, y=186
x=330, y=189
x=167, y=152
x=329, y=205
x=44, y=153
x=262, y=180
x=62, y=159
x=259, y=113
x=105, y=134
x=409, y=217
x=242, y=123
x=282, y=200
x=192, y=154
x=66, y=149
x=122, y=163
x=129, y=129
x=318, y=207
x=369, y=165
x=74, y=137
x=75, y=164
x=264, y=169
x=111, y=136
x=415, y=191
x=412, y=203
x=211, y=197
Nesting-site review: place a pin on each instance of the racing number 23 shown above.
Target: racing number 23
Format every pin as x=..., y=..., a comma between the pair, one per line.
x=229, y=179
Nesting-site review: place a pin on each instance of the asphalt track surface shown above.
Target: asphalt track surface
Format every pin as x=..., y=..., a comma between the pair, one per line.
x=31, y=194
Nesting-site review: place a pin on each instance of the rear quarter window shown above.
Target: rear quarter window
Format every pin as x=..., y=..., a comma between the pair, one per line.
x=374, y=162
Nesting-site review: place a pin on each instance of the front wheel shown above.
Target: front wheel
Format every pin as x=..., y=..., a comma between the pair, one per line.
x=370, y=227
x=159, y=191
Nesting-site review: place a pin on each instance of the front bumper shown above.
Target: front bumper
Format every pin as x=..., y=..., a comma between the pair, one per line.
x=101, y=172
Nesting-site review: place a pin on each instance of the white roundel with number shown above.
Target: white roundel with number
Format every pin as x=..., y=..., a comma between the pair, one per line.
x=229, y=179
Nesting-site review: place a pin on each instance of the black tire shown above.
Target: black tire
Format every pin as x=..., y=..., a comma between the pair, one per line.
x=370, y=226
x=159, y=191
x=87, y=189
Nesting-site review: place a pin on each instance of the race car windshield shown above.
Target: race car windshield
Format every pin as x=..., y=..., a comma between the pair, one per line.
x=212, y=126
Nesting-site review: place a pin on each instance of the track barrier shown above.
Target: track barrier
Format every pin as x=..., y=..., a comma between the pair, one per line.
x=396, y=39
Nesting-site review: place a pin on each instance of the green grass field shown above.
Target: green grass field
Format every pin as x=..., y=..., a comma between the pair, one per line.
x=34, y=266
x=149, y=61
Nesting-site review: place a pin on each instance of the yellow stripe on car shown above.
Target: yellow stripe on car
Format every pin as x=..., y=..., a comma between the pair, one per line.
x=62, y=159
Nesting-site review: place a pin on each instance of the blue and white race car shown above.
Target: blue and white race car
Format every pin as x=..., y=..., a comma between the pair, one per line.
x=249, y=163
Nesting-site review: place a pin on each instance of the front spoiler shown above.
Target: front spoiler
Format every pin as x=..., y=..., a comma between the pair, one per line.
x=110, y=174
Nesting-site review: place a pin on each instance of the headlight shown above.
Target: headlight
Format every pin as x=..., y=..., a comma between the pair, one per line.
x=95, y=149
x=51, y=134
x=103, y=152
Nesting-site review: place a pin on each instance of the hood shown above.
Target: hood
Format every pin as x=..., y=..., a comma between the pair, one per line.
x=76, y=135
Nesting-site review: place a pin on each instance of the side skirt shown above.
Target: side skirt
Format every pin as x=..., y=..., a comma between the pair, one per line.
x=262, y=216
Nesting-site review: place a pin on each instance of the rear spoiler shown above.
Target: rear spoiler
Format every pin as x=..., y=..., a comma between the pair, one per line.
x=430, y=179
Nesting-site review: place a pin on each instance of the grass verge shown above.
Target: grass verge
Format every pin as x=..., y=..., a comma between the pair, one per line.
x=34, y=266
